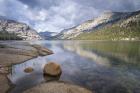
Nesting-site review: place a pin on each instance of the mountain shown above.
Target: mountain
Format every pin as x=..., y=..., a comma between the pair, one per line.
x=47, y=35
x=22, y=30
x=107, y=25
x=64, y=34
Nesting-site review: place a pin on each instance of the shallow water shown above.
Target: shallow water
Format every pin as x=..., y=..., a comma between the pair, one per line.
x=102, y=66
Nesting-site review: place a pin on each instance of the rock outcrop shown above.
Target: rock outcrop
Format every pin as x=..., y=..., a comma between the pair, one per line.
x=16, y=52
x=4, y=84
x=20, y=29
x=42, y=51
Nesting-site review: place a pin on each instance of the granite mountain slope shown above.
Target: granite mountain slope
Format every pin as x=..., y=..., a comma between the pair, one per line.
x=106, y=20
x=20, y=29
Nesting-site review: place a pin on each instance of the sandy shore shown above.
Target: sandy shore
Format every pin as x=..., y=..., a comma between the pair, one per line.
x=12, y=52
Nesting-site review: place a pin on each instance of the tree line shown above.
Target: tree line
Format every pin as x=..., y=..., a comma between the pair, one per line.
x=4, y=35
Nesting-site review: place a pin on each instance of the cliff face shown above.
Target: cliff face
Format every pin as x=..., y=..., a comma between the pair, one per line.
x=21, y=29
x=96, y=24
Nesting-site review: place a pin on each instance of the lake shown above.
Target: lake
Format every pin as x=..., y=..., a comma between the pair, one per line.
x=102, y=66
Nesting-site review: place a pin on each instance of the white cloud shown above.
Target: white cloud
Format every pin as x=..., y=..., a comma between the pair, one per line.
x=66, y=15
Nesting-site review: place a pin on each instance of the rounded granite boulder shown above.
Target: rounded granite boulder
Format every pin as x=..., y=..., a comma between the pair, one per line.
x=52, y=69
x=57, y=87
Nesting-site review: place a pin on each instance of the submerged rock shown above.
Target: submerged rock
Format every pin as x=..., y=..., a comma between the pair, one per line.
x=52, y=69
x=28, y=70
x=57, y=87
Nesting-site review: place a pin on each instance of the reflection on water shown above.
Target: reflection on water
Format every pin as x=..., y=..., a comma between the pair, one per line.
x=25, y=80
x=105, y=67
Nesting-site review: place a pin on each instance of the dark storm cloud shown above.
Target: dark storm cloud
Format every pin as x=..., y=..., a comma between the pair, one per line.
x=55, y=15
x=113, y=5
x=31, y=3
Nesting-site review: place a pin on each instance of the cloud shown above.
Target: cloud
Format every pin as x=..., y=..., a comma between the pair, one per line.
x=56, y=15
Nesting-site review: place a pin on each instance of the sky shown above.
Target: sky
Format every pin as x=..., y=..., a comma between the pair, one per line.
x=56, y=15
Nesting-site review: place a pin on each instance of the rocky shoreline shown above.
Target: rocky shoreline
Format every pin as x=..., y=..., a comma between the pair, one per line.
x=14, y=52
x=11, y=53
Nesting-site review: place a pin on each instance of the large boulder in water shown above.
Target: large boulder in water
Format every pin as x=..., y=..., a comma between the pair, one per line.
x=52, y=69
x=57, y=87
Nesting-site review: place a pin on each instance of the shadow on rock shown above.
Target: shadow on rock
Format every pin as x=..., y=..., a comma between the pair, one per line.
x=51, y=78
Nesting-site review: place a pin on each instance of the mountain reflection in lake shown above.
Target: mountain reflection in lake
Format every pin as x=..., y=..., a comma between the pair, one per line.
x=105, y=67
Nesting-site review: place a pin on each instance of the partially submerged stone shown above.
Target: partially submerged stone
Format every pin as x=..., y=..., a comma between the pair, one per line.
x=42, y=50
x=57, y=87
x=52, y=69
x=28, y=70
